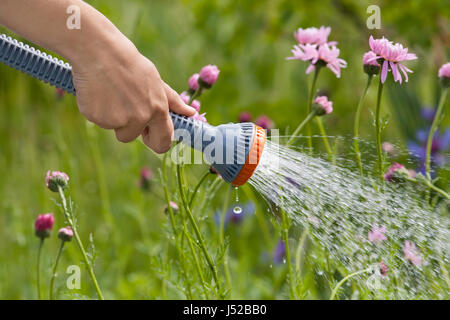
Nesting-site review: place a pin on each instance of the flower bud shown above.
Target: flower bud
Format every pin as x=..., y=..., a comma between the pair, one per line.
x=383, y=268
x=145, y=178
x=370, y=63
x=65, y=234
x=397, y=173
x=59, y=93
x=322, y=106
x=388, y=148
x=208, y=75
x=174, y=207
x=196, y=105
x=193, y=82
x=245, y=116
x=444, y=75
x=213, y=170
x=53, y=179
x=185, y=97
x=43, y=225
x=264, y=122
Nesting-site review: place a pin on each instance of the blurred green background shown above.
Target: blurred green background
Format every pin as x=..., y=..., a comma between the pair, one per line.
x=248, y=41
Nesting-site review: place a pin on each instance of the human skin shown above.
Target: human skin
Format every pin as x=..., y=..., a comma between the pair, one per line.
x=117, y=87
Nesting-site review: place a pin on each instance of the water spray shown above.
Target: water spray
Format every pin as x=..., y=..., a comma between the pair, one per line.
x=234, y=150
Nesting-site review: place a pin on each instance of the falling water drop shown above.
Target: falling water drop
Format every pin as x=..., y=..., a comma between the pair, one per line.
x=237, y=209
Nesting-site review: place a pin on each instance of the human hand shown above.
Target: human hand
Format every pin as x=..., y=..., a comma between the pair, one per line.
x=122, y=90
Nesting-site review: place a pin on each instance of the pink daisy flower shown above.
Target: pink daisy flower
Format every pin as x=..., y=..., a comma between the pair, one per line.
x=376, y=235
x=324, y=55
x=313, y=36
x=392, y=55
x=412, y=254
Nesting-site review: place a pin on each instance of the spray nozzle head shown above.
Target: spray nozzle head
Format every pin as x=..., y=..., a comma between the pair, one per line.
x=242, y=145
x=233, y=149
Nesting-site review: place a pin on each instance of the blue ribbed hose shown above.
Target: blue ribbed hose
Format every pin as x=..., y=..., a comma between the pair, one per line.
x=231, y=141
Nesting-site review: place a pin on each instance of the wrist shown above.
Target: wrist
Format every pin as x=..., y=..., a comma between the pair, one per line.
x=96, y=43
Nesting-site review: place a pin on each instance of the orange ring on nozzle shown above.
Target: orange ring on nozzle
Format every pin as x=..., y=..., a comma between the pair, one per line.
x=253, y=158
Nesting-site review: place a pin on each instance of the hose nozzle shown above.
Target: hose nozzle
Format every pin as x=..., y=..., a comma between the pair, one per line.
x=233, y=149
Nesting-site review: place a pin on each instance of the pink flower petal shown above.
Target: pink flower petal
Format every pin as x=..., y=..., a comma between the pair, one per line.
x=384, y=71
x=310, y=68
x=395, y=72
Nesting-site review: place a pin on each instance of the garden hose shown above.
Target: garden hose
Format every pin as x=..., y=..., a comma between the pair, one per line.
x=234, y=150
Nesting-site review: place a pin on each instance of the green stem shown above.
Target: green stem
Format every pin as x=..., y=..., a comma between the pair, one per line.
x=438, y=190
x=431, y=186
x=300, y=127
x=197, y=232
x=166, y=195
x=433, y=128
x=196, y=262
x=101, y=176
x=197, y=187
x=299, y=251
x=55, y=266
x=38, y=281
x=309, y=105
x=333, y=293
x=180, y=252
x=79, y=243
x=324, y=136
x=211, y=191
x=222, y=239
x=444, y=270
x=285, y=235
x=356, y=125
x=378, y=131
x=222, y=216
x=195, y=95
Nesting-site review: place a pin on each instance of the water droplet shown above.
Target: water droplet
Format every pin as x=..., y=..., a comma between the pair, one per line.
x=237, y=210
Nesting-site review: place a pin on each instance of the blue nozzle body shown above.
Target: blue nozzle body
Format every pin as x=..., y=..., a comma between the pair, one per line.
x=226, y=147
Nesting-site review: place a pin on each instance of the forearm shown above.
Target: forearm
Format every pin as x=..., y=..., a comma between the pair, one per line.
x=44, y=22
